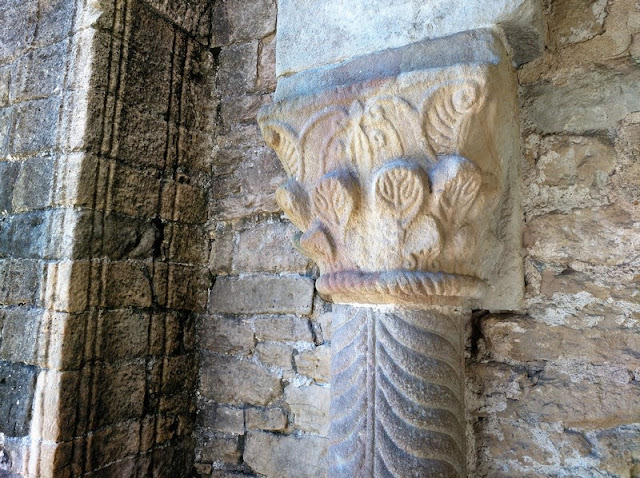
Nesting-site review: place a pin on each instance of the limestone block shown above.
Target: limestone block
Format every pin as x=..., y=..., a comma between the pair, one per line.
x=312, y=33
x=269, y=419
x=285, y=329
x=262, y=294
x=289, y=455
x=405, y=186
x=227, y=380
x=227, y=335
x=275, y=354
x=17, y=386
x=236, y=20
x=310, y=408
x=315, y=363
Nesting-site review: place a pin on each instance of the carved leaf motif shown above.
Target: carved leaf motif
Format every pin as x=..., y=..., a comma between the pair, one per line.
x=320, y=141
x=399, y=187
x=319, y=246
x=284, y=142
x=335, y=197
x=396, y=398
x=456, y=183
x=445, y=115
x=293, y=200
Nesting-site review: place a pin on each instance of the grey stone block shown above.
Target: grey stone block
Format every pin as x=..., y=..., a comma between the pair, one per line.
x=17, y=386
x=262, y=294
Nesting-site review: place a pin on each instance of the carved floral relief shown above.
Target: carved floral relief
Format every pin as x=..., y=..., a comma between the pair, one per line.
x=387, y=205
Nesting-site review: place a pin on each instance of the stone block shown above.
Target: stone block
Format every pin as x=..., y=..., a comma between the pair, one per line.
x=228, y=380
x=283, y=329
x=275, y=355
x=6, y=122
x=238, y=69
x=148, y=84
x=34, y=185
x=226, y=420
x=55, y=21
x=242, y=109
x=576, y=21
x=22, y=16
x=135, y=192
x=121, y=394
x=221, y=243
x=581, y=103
x=143, y=138
x=262, y=294
x=128, y=284
x=268, y=419
x=113, y=443
x=8, y=173
x=602, y=236
x=180, y=374
x=17, y=388
x=124, y=334
x=236, y=21
x=195, y=150
x=289, y=455
x=199, y=104
x=20, y=282
x=220, y=449
x=26, y=235
x=315, y=363
x=188, y=287
x=19, y=338
x=267, y=247
x=358, y=28
x=5, y=83
x=40, y=73
x=227, y=335
x=35, y=126
x=267, y=64
x=310, y=408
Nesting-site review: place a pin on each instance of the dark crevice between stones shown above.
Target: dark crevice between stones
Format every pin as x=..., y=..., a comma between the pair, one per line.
x=476, y=334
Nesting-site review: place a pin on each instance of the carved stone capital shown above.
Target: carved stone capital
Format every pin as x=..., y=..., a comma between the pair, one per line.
x=402, y=186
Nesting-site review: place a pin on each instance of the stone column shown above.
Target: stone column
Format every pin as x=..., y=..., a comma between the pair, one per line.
x=403, y=182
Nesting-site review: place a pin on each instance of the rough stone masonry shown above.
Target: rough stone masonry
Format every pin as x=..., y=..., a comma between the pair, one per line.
x=133, y=180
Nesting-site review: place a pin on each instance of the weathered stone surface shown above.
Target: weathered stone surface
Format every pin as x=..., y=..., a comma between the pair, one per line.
x=238, y=71
x=269, y=419
x=275, y=354
x=236, y=21
x=577, y=21
x=225, y=449
x=262, y=294
x=228, y=420
x=238, y=381
x=311, y=34
x=310, y=408
x=17, y=386
x=570, y=172
x=315, y=363
x=227, y=335
x=602, y=236
x=284, y=329
x=581, y=105
x=392, y=181
x=267, y=248
x=301, y=456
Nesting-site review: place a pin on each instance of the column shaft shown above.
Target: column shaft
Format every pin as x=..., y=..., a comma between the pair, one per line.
x=397, y=396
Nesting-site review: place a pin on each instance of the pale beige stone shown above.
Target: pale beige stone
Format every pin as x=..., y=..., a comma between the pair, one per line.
x=275, y=354
x=301, y=456
x=405, y=188
x=310, y=408
x=262, y=294
x=270, y=419
x=315, y=363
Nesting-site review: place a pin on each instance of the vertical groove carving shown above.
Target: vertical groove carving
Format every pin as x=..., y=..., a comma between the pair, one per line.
x=397, y=394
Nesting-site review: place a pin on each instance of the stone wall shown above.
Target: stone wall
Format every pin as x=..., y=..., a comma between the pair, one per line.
x=263, y=397
x=132, y=170
x=103, y=243
x=553, y=388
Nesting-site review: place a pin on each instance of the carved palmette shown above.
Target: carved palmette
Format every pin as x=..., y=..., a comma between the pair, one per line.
x=397, y=395
x=384, y=198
